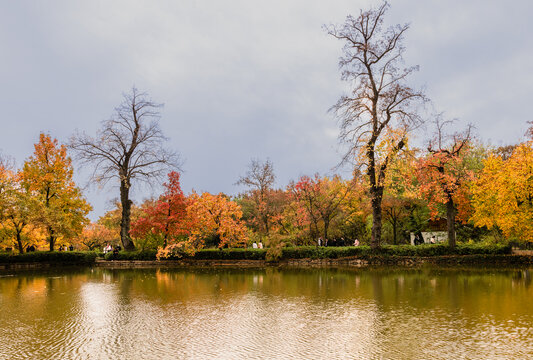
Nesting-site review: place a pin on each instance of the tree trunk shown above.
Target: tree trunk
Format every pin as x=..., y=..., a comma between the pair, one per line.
x=377, y=196
x=167, y=225
x=51, y=238
x=394, y=230
x=326, y=226
x=126, y=217
x=19, y=241
x=450, y=220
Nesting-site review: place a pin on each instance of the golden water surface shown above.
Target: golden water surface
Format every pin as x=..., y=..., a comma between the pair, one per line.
x=268, y=313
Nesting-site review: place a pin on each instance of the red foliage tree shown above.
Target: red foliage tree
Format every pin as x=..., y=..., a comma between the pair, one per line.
x=167, y=216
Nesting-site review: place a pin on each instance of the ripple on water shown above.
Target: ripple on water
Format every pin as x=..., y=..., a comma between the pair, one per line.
x=109, y=320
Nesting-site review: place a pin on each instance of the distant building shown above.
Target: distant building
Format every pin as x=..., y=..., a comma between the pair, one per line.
x=437, y=228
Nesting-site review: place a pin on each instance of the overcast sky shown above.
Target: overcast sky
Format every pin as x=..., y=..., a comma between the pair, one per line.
x=246, y=79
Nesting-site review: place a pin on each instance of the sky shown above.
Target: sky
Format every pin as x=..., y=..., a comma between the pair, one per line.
x=246, y=79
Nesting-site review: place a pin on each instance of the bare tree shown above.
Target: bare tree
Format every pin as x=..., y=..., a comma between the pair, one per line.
x=377, y=114
x=259, y=179
x=529, y=132
x=128, y=146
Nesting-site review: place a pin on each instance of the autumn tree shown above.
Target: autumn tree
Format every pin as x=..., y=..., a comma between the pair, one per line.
x=443, y=174
x=259, y=179
x=15, y=205
x=20, y=210
x=503, y=193
x=215, y=217
x=321, y=199
x=95, y=236
x=128, y=147
x=378, y=113
x=60, y=207
x=167, y=216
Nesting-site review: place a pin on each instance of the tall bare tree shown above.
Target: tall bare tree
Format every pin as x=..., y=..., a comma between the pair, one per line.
x=259, y=179
x=378, y=113
x=128, y=146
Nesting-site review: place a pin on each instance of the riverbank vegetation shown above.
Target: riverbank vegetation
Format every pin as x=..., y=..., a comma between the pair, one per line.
x=286, y=253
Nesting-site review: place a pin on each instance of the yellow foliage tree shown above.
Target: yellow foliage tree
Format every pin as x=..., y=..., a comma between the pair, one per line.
x=503, y=194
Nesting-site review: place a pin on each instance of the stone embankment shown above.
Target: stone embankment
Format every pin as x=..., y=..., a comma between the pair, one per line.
x=471, y=260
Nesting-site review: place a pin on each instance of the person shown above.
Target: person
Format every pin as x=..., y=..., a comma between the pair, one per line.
x=419, y=238
x=260, y=245
x=356, y=242
x=320, y=241
x=71, y=248
x=254, y=245
x=60, y=248
x=107, y=249
x=432, y=240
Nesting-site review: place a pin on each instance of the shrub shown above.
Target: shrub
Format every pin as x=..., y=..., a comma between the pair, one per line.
x=132, y=255
x=230, y=254
x=59, y=257
x=280, y=252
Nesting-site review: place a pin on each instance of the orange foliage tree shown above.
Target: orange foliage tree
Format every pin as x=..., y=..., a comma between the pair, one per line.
x=61, y=209
x=95, y=236
x=320, y=200
x=443, y=176
x=218, y=218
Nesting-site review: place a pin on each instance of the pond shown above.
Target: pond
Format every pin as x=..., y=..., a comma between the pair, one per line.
x=428, y=313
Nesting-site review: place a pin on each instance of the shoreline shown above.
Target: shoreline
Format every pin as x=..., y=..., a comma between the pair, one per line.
x=520, y=260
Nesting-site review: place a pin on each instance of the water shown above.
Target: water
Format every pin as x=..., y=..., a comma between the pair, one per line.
x=267, y=314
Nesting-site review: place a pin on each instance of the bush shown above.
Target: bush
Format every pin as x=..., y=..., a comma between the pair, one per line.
x=230, y=254
x=132, y=255
x=59, y=257
x=281, y=252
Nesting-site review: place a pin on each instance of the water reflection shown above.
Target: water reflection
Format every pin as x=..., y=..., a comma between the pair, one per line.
x=267, y=313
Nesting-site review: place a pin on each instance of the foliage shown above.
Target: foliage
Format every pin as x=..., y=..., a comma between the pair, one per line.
x=503, y=194
x=53, y=257
x=177, y=250
x=215, y=216
x=60, y=208
x=319, y=201
x=132, y=255
x=95, y=236
x=260, y=200
x=313, y=252
x=166, y=217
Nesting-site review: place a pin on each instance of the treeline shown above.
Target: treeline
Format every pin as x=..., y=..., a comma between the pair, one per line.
x=491, y=190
